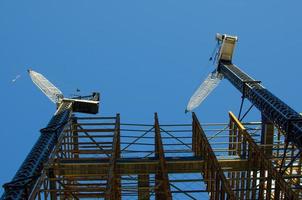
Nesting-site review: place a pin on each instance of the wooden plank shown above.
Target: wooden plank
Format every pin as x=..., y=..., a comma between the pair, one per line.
x=143, y=187
x=162, y=189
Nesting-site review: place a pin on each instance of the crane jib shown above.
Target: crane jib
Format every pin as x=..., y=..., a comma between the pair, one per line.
x=284, y=117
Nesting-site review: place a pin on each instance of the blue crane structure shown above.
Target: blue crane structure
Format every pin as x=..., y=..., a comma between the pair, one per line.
x=25, y=178
x=275, y=110
x=279, y=113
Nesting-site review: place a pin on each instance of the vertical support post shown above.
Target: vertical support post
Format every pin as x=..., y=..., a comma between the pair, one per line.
x=118, y=155
x=113, y=182
x=162, y=185
x=52, y=184
x=231, y=152
x=75, y=139
x=267, y=139
x=143, y=187
x=267, y=136
x=249, y=173
x=74, y=145
x=262, y=181
x=195, y=142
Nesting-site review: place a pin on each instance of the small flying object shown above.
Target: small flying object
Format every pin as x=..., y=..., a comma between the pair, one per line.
x=17, y=77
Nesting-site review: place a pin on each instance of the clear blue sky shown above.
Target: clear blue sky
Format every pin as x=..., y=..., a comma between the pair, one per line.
x=142, y=56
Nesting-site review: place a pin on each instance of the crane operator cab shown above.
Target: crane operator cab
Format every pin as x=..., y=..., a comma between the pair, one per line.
x=227, y=45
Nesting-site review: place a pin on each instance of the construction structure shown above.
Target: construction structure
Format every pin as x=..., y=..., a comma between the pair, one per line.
x=84, y=157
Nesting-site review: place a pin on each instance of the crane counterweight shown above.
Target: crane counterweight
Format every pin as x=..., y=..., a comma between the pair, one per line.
x=227, y=47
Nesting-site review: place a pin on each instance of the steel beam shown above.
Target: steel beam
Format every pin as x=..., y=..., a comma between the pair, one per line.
x=143, y=187
x=113, y=182
x=75, y=138
x=162, y=188
x=94, y=167
x=52, y=184
x=267, y=136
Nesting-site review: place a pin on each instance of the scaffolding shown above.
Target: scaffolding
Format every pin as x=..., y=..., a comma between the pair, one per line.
x=102, y=158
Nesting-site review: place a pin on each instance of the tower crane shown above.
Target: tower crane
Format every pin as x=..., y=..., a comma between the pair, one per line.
x=27, y=175
x=272, y=108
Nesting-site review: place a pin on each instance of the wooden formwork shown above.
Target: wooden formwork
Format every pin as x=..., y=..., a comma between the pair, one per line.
x=102, y=158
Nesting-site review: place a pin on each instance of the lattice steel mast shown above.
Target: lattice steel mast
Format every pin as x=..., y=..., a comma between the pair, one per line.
x=27, y=175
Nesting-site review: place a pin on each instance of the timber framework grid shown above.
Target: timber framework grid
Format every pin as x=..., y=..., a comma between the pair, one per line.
x=102, y=158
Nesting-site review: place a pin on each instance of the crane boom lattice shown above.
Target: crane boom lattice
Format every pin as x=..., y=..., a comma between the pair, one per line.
x=51, y=91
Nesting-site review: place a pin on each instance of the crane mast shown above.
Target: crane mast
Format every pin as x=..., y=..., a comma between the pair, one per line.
x=27, y=175
x=30, y=170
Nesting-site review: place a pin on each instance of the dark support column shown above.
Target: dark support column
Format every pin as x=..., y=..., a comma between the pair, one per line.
x=162, y=185
x=52, y=184
x=143, y=187
x=75, y=139
x=114, y=180
x=196, y=147
x=267, y=136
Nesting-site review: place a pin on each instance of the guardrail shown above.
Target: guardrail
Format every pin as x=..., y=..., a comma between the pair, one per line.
x=261, y=180
x=217, y=184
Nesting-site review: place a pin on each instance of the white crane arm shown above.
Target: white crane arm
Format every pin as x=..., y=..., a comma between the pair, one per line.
x=209, y=84
x=51, y=91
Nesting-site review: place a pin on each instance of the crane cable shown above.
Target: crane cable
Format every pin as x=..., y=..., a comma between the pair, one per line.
x=215, y=52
